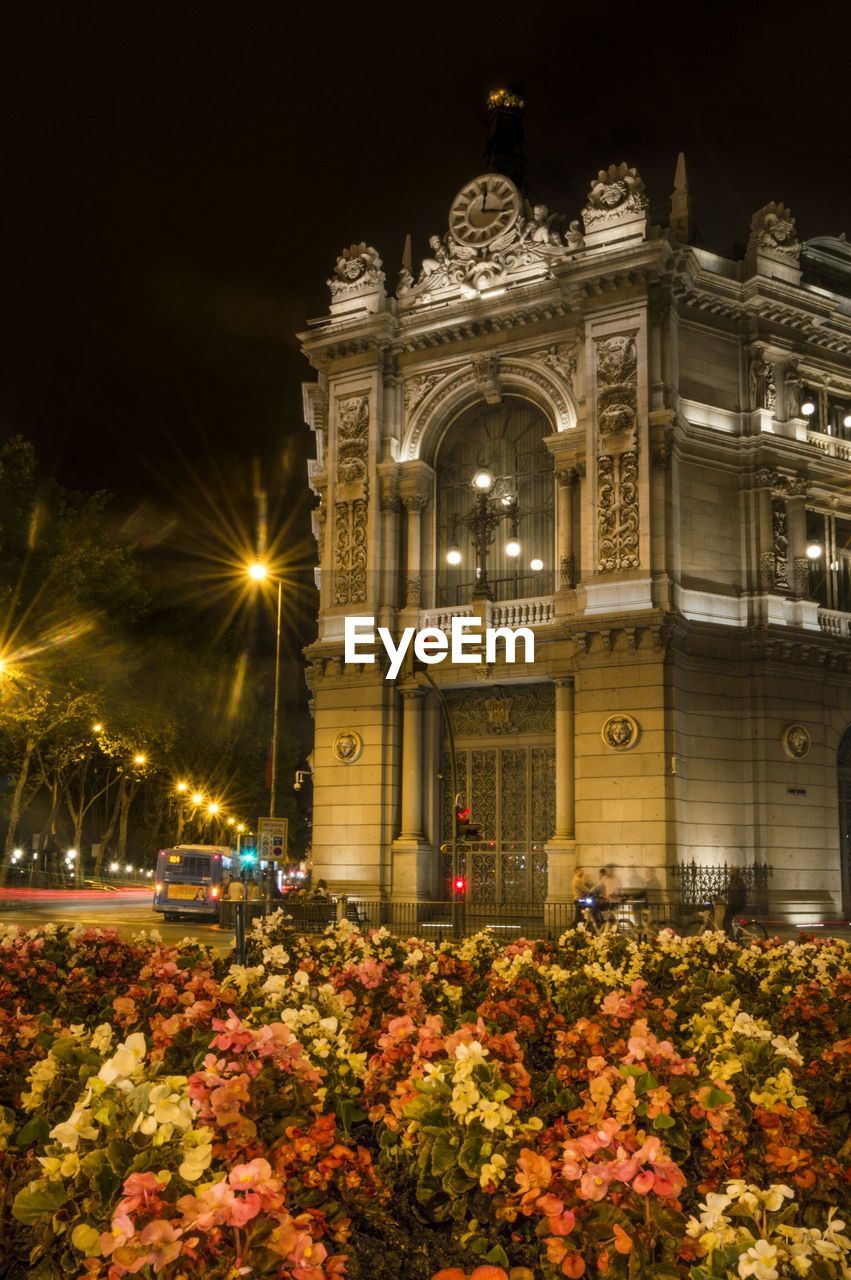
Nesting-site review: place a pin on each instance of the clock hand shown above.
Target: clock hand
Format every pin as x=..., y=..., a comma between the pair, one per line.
x=485, y=198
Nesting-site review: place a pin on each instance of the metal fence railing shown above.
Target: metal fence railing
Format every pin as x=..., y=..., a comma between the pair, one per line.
x=441, y=919
x=698, y=884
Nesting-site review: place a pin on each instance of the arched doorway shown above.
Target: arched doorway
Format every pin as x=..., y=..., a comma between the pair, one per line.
x=843, y=769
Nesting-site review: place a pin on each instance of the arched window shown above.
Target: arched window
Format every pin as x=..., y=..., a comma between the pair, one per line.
x=508, y=440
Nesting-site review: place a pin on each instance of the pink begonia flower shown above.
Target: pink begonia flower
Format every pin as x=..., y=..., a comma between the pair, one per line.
x=164, y=1241
x=595, y=1182
x=210, y=1209
x=369, y=973
x=254, y=1176
x=562, y=1224
x=643, y=1183
x=549, y=1205
x=596, y=1064
x=140, y=1190
x=123, y=1229
x=232, y=1033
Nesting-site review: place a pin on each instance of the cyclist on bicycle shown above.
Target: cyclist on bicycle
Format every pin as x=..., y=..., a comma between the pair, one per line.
x=737, y=897
x=607, y=893
x=583, y=887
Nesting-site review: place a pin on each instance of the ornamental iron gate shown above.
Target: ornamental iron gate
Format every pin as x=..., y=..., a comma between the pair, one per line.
x=511, y=793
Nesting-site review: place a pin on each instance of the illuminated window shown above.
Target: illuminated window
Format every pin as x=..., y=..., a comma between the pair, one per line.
x=507, y=439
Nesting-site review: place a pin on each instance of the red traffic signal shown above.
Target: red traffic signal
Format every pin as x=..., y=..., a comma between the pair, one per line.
x=459, y=884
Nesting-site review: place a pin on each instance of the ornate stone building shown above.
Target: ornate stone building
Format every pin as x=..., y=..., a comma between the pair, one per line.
x=668, y=433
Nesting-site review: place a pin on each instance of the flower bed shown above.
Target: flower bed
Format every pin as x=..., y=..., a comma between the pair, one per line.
x=354, y=1105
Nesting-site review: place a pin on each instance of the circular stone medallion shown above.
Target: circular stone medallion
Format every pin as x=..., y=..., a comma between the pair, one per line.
x=796, y=741
x=620, y=732
x=347, y=746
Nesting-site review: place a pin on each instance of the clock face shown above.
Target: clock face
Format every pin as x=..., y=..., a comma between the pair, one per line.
x=484, y=209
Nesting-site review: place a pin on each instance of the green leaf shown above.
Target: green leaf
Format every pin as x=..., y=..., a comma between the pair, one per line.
x=443, y=1155
x=457, y=1183
x=664, y=1122
x=498, y=1256
x=37, y=1129
x=120, y=1154
x=717, y=1098
x=469, y=1157
x=39, y=1200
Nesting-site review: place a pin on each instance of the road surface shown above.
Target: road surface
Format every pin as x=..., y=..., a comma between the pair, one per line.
x=129, y=911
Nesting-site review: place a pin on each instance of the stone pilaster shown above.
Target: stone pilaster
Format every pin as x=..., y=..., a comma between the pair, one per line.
x=561, y=848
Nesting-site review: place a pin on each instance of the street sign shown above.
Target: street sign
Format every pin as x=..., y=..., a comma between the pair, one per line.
x=272, y=839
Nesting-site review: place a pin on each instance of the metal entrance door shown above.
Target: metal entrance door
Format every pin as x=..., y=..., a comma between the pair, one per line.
x=511, y=793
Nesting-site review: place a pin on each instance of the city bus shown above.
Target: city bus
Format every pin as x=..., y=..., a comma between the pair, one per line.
x=189, y=880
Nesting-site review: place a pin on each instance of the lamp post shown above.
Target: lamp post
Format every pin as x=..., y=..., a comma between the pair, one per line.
x=258, y=572
x=486, y=515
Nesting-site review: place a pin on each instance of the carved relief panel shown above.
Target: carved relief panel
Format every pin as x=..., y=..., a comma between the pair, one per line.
x=351, y=510
x=618, y=521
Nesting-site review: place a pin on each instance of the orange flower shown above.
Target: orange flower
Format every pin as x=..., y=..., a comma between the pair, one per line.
x=623, y=1242
x=450, y=1273
x=489, y=1272
x=573, y=1266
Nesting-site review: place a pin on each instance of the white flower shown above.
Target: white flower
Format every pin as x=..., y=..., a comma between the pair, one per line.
x=759, y=1261
x=712, y=1210
x=775, y=1195
x=102, y=1037
x=493, y=1171
x=125, y=1060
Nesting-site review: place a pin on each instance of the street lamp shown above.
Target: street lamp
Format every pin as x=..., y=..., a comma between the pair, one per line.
x=487, y=513
x=258, y=572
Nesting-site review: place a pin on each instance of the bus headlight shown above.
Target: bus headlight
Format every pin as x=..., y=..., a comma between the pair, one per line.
x=158, y=888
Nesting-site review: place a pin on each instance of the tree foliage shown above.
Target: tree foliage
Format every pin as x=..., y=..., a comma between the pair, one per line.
x=100, y=667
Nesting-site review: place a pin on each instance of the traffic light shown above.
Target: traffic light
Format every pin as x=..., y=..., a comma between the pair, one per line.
x=459, y=884
x=462, y=817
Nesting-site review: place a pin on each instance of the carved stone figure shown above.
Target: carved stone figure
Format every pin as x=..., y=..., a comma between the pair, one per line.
x=758, y=375
x=416, y=389
x=353, y=439
x=561, y=358
x=358, y=268
x=617, y=195
x=573, y=237
x=780, y=544
x=617, y=373
x=539, y=229
x=774, y=234
x=792, y=390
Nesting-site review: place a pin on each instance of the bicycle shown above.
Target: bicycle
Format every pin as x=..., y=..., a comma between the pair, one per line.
x=744, y=928
x=631, y=918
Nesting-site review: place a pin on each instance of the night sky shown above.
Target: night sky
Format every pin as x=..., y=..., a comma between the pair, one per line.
x=177, y=180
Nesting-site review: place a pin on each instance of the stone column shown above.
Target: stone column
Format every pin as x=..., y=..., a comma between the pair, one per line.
x=414, y=504
x=763, y=482
x=413, y=857
x=412, y=763
x=567, y=480
x=561, y=848
x=796, y=524
x=565, y=760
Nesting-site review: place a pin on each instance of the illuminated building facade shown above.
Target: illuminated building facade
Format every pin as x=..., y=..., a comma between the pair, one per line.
x=668, y=436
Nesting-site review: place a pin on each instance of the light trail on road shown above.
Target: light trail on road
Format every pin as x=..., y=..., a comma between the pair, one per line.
x=127, y=913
